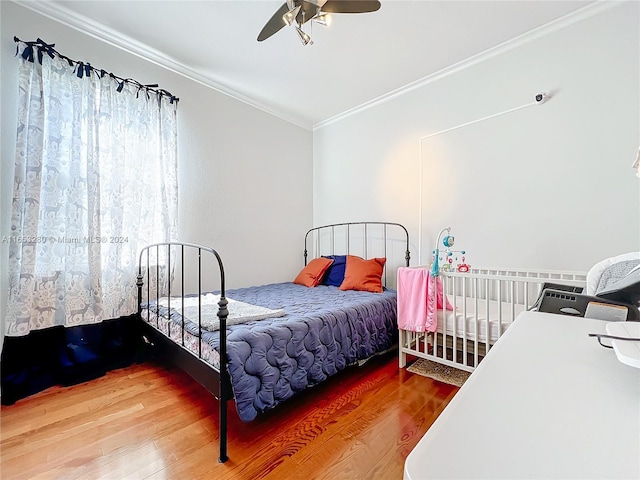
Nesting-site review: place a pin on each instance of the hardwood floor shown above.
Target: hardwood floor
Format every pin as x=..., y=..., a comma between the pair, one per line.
x=153, y=422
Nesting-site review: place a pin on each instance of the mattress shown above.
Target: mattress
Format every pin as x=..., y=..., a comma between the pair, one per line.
x=467, y=323
x=323, y=331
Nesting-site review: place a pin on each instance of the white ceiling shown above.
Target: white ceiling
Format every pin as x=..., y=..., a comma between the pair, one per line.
x=358, y=59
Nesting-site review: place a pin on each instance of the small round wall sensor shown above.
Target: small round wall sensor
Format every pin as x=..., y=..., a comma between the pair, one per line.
x=541, y=97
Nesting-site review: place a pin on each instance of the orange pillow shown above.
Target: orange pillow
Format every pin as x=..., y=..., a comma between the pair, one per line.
x=363, y=274
x=311, y=275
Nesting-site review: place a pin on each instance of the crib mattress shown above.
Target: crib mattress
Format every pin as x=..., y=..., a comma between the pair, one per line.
x=464, y=321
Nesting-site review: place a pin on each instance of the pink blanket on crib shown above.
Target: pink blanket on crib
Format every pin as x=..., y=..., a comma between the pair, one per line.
x=419, y=297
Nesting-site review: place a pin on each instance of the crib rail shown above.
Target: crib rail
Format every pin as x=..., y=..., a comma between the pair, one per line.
x=484, y=302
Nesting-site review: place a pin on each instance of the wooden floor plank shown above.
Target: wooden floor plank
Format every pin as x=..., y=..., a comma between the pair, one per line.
x=153, y=422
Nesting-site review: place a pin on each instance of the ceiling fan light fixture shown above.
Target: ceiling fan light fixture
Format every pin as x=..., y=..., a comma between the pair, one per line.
x=304, y=37
x=299, y=12
x=291, y=15
x=323, y=19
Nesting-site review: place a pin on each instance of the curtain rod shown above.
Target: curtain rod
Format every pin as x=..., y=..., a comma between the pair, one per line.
x=85, y=69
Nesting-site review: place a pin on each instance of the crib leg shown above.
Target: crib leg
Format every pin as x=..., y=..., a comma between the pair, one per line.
x=402, y=356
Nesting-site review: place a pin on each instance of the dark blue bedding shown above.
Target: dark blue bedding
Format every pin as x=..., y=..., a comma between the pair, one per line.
x=323, y=331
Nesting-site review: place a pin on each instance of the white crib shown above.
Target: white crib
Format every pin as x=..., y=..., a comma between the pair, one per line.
x=485, y=302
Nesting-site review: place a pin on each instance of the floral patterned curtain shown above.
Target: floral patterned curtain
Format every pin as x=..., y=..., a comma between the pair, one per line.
x=95, y=180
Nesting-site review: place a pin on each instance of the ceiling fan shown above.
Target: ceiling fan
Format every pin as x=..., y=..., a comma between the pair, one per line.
x=303, y=11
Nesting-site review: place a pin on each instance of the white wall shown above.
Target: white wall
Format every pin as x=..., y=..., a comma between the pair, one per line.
x=235, y=188
x=547, y=186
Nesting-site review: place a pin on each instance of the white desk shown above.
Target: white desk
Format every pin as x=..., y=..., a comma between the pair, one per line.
x=547, y=402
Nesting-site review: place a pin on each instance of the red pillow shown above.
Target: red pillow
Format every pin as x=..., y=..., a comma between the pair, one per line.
x=363, y=274
x=312, y=274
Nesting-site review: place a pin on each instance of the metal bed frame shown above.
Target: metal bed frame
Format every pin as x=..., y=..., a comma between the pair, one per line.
x=217, y=381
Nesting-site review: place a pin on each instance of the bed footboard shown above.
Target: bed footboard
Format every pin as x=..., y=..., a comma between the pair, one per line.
x=484, y=301
x=156, y=279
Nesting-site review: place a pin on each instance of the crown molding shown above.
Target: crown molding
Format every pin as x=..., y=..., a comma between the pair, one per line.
x=558, y=24
x=71, y=19
x=65, y=16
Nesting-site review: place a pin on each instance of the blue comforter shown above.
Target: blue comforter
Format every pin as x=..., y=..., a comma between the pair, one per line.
x=323, y=331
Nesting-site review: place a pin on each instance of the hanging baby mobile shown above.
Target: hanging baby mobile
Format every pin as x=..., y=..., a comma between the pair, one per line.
x=448, y=256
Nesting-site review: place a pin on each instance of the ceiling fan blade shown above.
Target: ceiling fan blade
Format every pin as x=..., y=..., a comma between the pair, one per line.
x=275, y=23
x=350, y=6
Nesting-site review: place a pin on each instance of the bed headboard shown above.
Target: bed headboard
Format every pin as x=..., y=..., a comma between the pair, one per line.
x=365, y=239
